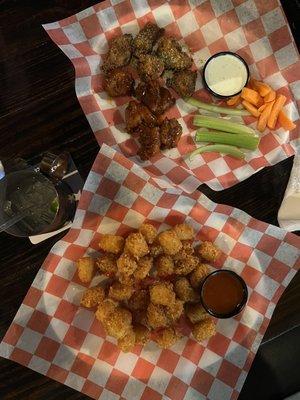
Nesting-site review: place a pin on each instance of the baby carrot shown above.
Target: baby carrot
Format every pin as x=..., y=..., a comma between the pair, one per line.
x=285, y=121
x=234, y=100
x=252, y=110
x=278, y=104
x=270, y=96
x=252, y=96
x=263, y=119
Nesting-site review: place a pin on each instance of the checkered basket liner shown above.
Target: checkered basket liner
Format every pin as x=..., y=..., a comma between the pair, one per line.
x=51, y=334
x=255, y=29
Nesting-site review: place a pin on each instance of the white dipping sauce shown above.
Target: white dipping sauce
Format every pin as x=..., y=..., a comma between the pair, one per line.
x=226, y=74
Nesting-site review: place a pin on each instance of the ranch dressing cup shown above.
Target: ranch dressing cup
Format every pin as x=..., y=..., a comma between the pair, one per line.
x=225, y=74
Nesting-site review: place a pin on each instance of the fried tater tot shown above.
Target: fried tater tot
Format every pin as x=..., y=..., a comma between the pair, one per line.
x=185, y=264
x=164, y=266
x=170, y=242
x=209, y=251
x=144, y=266
x=175, y=311
x=167, y=337
x=156, y=249
x=142, y=334
x=185, y=292
x=126, y=264
x=204, y=329
x=187, y=247
x=112, y=243
x=149, y=232
x=92, y=297
x=162, y=293
x=126, y=279
x=127, y=342
x=156, y=316
x=184, y=231
x=139, y=301
x=195, y=312
x=105, y=309
x=107, y=264
x=199, y=274
x=118, y=323
x=118, y=291
x=86, y=269
x=136, y=245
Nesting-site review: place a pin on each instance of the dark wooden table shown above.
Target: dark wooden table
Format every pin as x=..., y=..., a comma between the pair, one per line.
x=39, y=112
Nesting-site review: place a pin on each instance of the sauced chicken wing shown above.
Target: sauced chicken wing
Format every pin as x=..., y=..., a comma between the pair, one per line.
x=149, y=141
x=170, y=133
x=146, y=38
x=119, y=53
x=183, y=82
x=157, y=98
x=119, y=82
x=137, y=114
x=150, y=67
x=170, y=52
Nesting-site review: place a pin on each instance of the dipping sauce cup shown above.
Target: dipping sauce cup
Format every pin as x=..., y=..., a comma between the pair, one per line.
x=223, y=293
x=225, y=74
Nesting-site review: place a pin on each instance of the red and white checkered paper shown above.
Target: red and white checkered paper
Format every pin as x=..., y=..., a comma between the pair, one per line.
x=255, y=29
x=54, y=336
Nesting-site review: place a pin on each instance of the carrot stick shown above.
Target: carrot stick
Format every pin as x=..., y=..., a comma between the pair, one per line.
x=252, y=96
x=252, y=110
x=278, y=104
x=234, y=100
x=261, y=108
x=263, y=119
x=270, y=96
x=263, y=89
x=285, y=121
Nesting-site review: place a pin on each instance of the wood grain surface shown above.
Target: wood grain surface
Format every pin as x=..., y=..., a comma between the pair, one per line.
x=39, y=112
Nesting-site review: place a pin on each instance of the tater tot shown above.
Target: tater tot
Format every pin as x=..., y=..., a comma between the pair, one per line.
x=184, y=231
x=204, y=329
x=136, y=245
x=162, y=293
x=105, y=309
x=185, y=264
x=118, y=291
x=198, y=274
x=156, y=316
x=166, y=337
x=149, y=232
x=86, y=269
x=164, y=266
x=92, y=297
x=175, y=311
x=170, y=242
x=209, y=251
x=118, y=323
x=142, y=334
x=184, y=290
x=107, y=264
x=144, y=266
x=126, y=264
x=139, y=301
x=187, y=247
x=126, y=279
x=112, y=243
x=195, y=312
x=127, y=342
x=156, y=250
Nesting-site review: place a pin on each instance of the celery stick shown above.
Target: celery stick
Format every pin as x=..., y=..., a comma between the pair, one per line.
x=222, y=125
x=240, y=140
x=218, y=148
x=215, y=109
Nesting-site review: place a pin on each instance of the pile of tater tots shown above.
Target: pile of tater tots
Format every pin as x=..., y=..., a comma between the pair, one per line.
x=152, y=285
